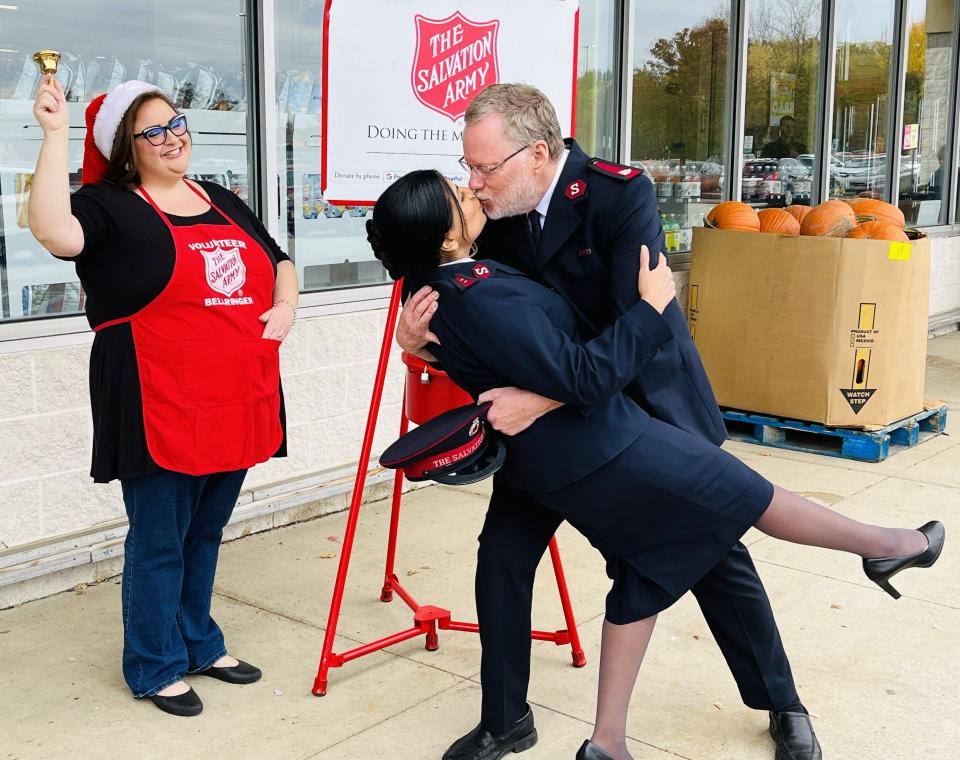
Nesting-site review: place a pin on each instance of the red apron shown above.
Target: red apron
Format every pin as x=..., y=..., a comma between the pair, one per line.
x=210, y=384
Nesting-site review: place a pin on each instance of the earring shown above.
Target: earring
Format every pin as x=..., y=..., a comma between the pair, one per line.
x=127, y=166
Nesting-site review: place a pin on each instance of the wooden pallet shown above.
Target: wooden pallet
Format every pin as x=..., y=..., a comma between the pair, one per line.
x=849, y=443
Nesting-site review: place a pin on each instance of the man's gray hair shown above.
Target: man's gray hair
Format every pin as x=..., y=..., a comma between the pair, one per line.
x=528, y=115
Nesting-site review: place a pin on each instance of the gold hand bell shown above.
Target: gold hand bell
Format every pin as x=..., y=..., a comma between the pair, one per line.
x=47, y=61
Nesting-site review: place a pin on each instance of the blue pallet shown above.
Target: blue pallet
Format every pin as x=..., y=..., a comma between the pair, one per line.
x=849, y=443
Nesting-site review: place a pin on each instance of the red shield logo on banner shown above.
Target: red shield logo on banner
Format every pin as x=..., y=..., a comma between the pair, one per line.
x=226, y=272
x=455, y=58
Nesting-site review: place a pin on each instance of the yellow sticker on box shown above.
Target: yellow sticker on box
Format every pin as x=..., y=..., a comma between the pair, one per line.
x=899, y=252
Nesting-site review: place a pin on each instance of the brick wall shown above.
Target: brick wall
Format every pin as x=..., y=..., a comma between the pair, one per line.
x=328, y=365
x=944, y=282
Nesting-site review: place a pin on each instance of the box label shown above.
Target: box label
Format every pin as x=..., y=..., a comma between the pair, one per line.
x=899, y=252
x=865, y=334
x=693, y=310
x=861, y=338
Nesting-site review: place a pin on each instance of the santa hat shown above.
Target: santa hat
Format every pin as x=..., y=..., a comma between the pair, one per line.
x=104, y=115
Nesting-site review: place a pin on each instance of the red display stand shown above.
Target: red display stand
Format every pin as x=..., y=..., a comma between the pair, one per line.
x=428, y=392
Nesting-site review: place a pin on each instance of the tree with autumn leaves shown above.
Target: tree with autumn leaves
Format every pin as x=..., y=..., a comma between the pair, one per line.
x=679, y=92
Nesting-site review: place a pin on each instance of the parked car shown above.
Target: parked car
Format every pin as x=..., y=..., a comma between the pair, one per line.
x=868, y=173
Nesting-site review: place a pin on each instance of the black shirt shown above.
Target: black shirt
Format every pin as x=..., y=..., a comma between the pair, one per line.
x=127, y=259
x=780, y=149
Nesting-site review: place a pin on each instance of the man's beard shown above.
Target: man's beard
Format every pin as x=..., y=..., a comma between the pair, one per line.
x=519, y=197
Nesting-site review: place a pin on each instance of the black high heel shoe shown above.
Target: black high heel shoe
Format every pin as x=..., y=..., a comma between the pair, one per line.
x=881, y=569
x=590, y=751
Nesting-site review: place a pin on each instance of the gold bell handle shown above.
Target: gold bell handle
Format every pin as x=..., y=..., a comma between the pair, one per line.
x=47, y=61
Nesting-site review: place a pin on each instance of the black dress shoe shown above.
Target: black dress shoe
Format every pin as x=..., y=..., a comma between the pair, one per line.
x=793, y=733
x=881, y=569
x=242, y=672
x=480, y=744
x=590, y=751
x=186, y=705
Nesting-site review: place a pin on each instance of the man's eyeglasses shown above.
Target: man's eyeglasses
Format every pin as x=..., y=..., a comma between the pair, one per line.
x=486, y=171
x=157, y=135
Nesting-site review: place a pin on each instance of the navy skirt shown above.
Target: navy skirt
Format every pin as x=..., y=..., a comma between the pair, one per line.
x=662, y=514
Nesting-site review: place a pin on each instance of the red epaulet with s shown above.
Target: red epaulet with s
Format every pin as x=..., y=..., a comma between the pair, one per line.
x=480, y=272
x=616, y=171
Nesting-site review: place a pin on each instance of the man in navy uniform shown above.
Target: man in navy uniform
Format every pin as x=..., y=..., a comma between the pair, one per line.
x=577, y=224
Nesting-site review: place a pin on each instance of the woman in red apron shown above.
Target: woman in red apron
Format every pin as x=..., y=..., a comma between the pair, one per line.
x=189, y=298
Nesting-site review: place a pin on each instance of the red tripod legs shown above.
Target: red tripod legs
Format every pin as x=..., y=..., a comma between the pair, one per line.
x=428, y=620
x=579, y=658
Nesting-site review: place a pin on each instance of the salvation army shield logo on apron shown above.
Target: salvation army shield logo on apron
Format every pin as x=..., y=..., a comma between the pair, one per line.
x=226, y=272
x=454, y=59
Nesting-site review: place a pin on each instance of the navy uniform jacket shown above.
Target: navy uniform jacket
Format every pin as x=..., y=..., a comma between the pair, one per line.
x=497, y=327
x=590, y=254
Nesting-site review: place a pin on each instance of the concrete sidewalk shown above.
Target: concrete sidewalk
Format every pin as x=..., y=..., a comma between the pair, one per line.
x=881, y=677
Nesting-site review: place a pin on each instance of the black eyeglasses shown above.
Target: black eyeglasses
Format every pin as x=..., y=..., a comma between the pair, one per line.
x=157, y=135
x=486, y=171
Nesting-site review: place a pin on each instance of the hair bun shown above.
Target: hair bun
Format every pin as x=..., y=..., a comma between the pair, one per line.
x=376, y=243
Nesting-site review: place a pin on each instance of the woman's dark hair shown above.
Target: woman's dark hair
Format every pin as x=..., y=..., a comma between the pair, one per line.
x=122, y=166
x=410, y=221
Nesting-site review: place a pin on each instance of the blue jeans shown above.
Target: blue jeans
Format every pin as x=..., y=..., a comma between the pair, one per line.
x=176, y=524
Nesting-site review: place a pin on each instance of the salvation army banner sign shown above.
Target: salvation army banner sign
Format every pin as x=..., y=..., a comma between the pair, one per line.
x=445, y=81
x=398, y=77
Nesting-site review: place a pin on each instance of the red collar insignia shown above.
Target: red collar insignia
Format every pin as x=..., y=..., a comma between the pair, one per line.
x=575, y=189
x=463, y=282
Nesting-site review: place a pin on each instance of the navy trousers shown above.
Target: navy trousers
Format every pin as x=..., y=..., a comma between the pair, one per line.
x=516, y=533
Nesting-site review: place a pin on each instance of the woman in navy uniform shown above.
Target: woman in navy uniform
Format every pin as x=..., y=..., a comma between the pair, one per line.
x=600, y=460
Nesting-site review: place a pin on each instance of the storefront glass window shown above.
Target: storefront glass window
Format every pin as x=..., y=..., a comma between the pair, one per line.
x=327, y=243
x=926, y=108
x=679, y=93
x=597, y=80
x=193, y=51
x=859, y=146
x=783, y=66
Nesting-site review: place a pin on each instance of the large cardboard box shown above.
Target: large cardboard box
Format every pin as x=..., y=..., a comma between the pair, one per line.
x=822, y=329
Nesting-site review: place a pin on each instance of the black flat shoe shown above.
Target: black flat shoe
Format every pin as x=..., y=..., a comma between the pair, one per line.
x=480, y=744
x=242, y=672
x=793, y=734
x=590, y=751
x=185, y=705
x=881, y=569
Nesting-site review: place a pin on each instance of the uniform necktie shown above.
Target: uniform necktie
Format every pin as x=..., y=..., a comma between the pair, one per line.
x=533, y=218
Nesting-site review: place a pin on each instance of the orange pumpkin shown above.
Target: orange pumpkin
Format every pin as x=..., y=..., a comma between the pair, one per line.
x=868, y=209
x=798, y=212
x=733, y=215
x=880, y=229
x=778, y=220
x=829, y=219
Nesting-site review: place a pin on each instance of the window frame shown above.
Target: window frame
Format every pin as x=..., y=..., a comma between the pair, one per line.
x=948, y=217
